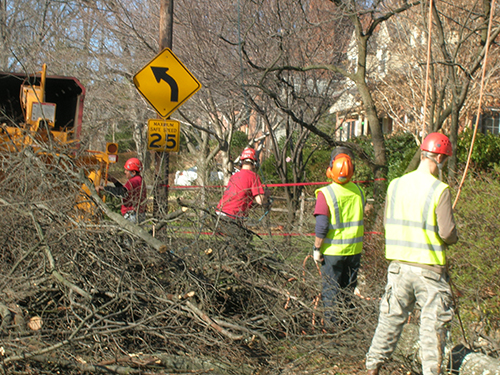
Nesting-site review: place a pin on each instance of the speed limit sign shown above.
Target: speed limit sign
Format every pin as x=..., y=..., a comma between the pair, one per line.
x=163, y=135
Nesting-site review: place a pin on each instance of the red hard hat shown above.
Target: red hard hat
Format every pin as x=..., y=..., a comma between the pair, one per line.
x=133, y=164
x=248, y=153
x=437, y=143
x=341, y=169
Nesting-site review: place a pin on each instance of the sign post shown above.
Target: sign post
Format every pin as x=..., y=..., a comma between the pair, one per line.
x=160, y=188
x=166, y=84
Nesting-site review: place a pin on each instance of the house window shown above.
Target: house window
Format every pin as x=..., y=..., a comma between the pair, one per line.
x=387, y=125
x=348, y=130
x=491, y=124
x=353, y=129
x=350, y=127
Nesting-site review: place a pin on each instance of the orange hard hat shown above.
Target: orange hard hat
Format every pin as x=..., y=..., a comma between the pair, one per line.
x=341, y=169
x=133, y=164
x=437, y=143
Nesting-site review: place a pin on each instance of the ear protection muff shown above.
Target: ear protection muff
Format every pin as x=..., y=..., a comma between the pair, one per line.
x=341, y=169
x=329, y=173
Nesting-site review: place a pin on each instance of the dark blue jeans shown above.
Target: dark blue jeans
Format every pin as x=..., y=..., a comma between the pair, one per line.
x=340, y=276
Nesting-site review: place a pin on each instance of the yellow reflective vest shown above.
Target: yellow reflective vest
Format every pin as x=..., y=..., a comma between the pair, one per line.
x=411, y=230
x=345, y=234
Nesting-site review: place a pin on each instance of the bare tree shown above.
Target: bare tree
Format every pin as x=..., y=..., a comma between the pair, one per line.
x=299, y=40
x=458, y=47
x=287, y=105
x=459, y=67
x=219, y=108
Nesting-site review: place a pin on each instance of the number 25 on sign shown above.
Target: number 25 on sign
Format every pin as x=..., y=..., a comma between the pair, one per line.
x=163, y=135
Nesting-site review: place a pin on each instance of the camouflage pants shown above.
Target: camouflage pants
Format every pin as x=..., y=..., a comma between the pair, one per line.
x=409, y=287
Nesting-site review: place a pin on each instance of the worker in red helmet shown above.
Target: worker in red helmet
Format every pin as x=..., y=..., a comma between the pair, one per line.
x=339, y=233
x=133, y=193
x=243, y=190
x=419, y=226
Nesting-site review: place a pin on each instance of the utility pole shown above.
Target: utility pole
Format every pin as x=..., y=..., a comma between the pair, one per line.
x=162, y=159
x=166, y=23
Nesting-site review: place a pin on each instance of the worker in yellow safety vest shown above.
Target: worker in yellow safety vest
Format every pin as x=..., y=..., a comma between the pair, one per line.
x=419, y=226
x=338, y=234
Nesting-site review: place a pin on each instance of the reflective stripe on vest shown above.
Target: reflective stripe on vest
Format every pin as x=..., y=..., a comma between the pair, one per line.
x=411, y=227
x=344, y=237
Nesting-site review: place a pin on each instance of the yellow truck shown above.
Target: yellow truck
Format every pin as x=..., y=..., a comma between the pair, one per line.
x=45, y=113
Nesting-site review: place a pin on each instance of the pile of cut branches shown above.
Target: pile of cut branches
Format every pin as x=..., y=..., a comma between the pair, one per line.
x=81, y=295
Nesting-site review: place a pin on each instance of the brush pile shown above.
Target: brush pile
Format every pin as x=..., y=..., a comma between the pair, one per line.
x=81, y=295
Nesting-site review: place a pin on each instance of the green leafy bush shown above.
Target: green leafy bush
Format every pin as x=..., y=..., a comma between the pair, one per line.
x=317, y=164
x=486, y=151
x=400, y=150
x=124, y=137
x=238, y=144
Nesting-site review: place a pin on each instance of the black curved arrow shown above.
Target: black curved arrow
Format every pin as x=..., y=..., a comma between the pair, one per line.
x=161, y=73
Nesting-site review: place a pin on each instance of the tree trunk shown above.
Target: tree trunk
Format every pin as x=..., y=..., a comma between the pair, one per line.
x=452, y=164
x=3, y=38
x=467, y=362
x=380, y=163
x=463, y=361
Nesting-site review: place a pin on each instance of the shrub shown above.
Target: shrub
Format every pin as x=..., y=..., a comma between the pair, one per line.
x=486, y=152
x=400, y=149
x=124, y=138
